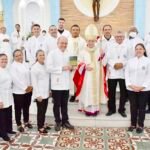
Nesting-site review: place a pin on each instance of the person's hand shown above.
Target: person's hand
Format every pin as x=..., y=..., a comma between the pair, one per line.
x=1, y=105
x=67, y=68
x=136, y=88
x=118, y=66
x=89, y=68
x=29, y=89
x=39, y=99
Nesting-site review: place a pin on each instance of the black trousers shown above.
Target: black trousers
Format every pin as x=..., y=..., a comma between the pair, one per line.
x=138, y=102
x=112, y=84
x=22, y=103
x=41, y=111
x=60, y=104
x=5, y=120
x=148, y=102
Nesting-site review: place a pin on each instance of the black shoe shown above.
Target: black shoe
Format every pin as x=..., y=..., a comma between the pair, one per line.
x=57, y=126
x=123, y=114
x=139, y=130
x=110, y=113
x=72, y=99
x=20, y=129
x=6, y=138
x=131, y=128
x=28, y=125
x=68, y=126
x=42, y=131
x=47, y=128
x=11, y=132
x=147, y=111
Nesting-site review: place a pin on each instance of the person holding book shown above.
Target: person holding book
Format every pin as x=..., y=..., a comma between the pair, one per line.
x=75, y=44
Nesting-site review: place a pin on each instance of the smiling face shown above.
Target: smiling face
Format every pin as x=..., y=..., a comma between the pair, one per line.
x=40, y=57
x=91, y=43
x=75, y=31
x=62, y=43
x=3, y=60
x=36, y=30
x=18, y=56
x=139, y=50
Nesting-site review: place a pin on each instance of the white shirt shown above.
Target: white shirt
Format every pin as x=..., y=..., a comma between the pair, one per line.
x=116, y=53
x=21, y=77
x=66, y=33
x=51, y=43
x=33, y=45
x=75, y=45
x=5, y=88
x=103, y=43
x=55, y=62
x=16, y=40
x=131, y=45
x=40, y=81
x=137, y=73
x=147, y=44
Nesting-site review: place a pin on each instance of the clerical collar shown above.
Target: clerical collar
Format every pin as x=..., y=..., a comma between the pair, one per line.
x=60, y=31
x=107, y=38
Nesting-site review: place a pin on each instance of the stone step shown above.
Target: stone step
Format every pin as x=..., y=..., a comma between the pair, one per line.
x=79, y=119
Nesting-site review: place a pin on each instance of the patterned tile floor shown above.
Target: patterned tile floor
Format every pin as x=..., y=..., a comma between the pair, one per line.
x=82, y=138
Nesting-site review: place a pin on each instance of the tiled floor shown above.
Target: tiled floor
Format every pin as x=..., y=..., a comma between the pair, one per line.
x=82, y=138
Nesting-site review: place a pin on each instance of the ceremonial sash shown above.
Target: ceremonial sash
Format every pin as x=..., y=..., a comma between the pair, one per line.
x=79, y=77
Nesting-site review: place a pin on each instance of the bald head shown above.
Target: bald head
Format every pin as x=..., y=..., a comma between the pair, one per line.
x=62, y=43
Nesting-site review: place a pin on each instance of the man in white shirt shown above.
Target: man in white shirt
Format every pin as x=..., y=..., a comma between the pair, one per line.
x=61, y=28
x=132, y=40
x=116, y=58
x=17, y=38
x=58, y=66
x=51, y=38
x=35, y=43
x=104, y=41
x=75, y=45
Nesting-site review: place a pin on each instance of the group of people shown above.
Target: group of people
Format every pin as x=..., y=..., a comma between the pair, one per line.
x=66, y=66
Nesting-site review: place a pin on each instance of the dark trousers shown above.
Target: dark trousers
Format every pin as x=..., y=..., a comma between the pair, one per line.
x=22, y=103
x=148, y=102
x=60, y=104
x=41, y=111
x=138, y=102
x=112, y=84
x=5, y=120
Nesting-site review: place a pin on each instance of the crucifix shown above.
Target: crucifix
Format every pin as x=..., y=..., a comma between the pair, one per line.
x=96, y=9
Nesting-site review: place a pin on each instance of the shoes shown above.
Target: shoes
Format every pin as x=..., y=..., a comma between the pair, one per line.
x=28, y=125
x=47, y=128
x=57, y=126
x=123, y=114
x=11, y=132
x=131, y=128
x=72, y=99
x=68, y=126
x=139, y=130
x=147, y=111
x=110, y=113
x=42, y=131
x=20, y=129
x=6, y=138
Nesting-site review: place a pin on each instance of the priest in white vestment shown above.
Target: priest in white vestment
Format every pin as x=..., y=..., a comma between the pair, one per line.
x=89, y=96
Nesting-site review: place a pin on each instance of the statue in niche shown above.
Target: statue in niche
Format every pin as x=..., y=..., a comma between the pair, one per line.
x=96, y=9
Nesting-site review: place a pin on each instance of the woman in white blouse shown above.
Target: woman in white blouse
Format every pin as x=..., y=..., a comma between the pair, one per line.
x=137, y=75
x=40, y=82
x=6, y=99
x=22, y=89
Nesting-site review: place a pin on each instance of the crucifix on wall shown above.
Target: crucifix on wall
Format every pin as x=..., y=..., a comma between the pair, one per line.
x=96, y=9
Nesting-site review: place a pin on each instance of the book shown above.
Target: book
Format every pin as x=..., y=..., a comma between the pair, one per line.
x=73, y=60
